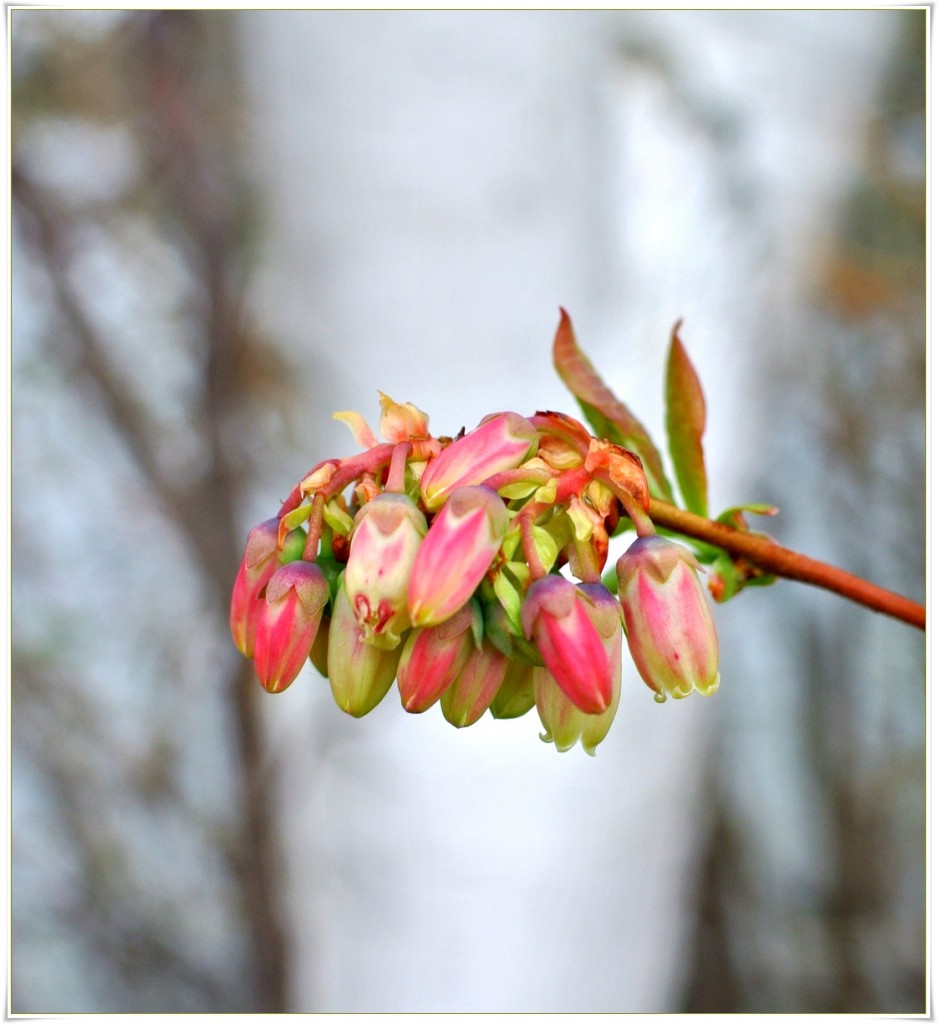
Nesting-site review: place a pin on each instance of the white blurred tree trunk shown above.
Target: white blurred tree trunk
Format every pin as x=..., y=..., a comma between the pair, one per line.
x=436, y=184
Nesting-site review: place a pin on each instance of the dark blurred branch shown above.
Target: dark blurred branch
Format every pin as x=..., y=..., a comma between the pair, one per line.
x=193, y=175
x=49, y=234
x=103, y=904
x=200, y=191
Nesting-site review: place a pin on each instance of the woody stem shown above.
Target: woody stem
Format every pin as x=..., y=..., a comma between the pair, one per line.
x=764, y=553
x=398, y=466
x=311, y=548
x=529, y=545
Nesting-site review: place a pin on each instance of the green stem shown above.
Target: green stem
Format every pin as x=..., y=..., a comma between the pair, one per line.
x=643, y=523
x=764, y=553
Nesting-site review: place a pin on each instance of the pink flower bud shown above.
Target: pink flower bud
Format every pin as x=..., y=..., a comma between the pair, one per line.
x=259, y=563
x=455, y=554
x=384, y=543
x=498, y=443
x=671, y=634
x=558, y=617
x=468, y=698
x=564, y=722
x=297, y=593
x=432, y=659
x=360, y=674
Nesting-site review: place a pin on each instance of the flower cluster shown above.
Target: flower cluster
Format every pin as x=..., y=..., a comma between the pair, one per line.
x=437, y=562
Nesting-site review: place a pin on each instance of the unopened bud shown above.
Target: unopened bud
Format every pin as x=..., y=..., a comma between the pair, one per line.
x=515, y=696
x=360, y=674
x=296, y=597
x=670, y=629
x=455, y=554
x=564, y=724
x=387, y=534
x=432, y=659
x=475, y=687
x=556, y=615
x=259, y=563
x=498, y=443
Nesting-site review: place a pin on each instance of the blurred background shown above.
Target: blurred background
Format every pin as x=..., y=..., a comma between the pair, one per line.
x=228, y=225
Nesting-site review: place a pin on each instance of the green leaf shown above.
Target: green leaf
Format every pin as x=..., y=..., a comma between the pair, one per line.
x=686, y=421
x=733, y=516
x=510, y=601
x=729, y=577
x=607, y=416
x=546, y=546
x=337, y=518
x=292, y=519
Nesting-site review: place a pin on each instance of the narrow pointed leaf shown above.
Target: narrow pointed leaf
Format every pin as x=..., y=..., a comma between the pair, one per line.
x=729, y=577
x=607, y=415
x=686, y=421
x=734, y=516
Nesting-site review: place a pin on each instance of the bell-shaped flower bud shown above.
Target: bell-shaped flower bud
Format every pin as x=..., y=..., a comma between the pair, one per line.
x=296, y=597
x=475, y=687
x=498, y=443
x=515, y=696
x=455, y=554
x=564, y=724
x=360, y=674
x=670, y=629
x=384, y=543
x=432, y=659
x=259, y=563
x=558, y=617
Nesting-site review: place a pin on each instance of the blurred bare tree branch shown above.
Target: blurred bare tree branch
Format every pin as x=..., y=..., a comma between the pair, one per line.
x=176, y=77
x=851, y=929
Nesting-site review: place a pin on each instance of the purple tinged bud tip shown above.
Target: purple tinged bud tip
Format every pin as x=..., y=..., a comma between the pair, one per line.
x=259, y=563
x=296, y=597
x=557, y=615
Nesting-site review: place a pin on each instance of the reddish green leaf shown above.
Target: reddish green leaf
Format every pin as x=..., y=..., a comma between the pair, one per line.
x=607, y=416
x=729, y=577
x=686, y=421
x=735, y=517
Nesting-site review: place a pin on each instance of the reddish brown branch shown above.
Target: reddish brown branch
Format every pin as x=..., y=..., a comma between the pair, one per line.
x=780, y=561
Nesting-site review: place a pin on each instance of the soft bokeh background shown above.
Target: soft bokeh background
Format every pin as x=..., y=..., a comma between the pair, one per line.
x=227, y=225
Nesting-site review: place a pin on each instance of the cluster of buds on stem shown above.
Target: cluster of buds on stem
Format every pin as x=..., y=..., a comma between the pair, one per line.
x=470, y=570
